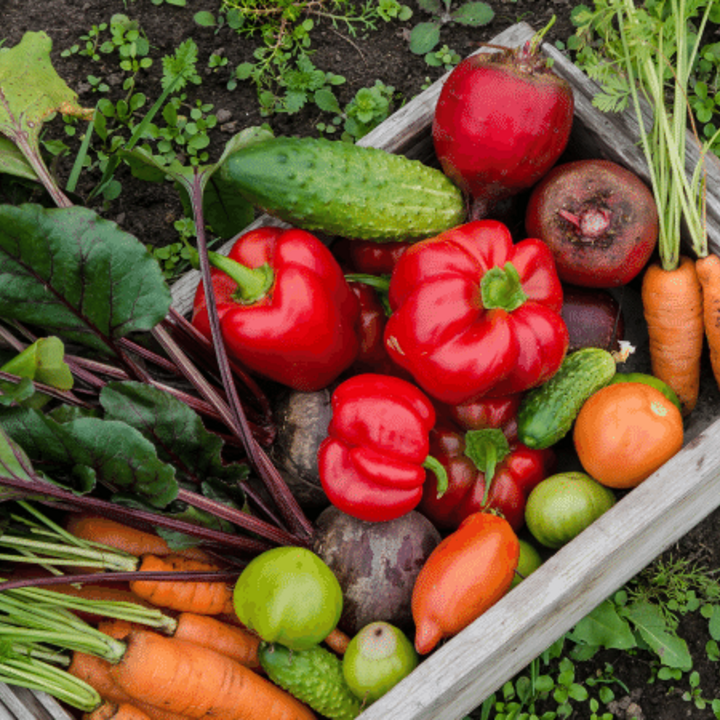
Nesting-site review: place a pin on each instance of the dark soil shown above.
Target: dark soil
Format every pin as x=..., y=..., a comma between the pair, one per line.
x=149, y=211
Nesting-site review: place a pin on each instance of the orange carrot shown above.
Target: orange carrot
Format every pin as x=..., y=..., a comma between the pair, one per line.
x=708, y=271
x=112, y=711
x=672, y=302
x=123, y=537
x=203, y=598
x=229, y=640
x=337, y=641
x=183, y=677
x=96, y=672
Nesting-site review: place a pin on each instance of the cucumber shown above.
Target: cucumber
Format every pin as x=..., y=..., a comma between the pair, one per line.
x=547, y=413
x=343, y=189
x=313, y=676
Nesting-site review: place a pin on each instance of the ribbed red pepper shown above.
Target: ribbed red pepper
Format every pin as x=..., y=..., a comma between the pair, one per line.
x=474, y=314
x=372, y=464
x=287, y=313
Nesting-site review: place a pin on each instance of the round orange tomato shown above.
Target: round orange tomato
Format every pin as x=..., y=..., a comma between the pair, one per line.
x=625, y=432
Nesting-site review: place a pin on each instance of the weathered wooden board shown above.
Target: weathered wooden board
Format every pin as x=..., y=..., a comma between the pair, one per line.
x=465, y=670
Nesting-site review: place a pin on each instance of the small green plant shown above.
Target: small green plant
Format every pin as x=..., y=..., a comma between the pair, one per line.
x=369, y=107
x=444, y=57
x=425, y=36
x=301, y=83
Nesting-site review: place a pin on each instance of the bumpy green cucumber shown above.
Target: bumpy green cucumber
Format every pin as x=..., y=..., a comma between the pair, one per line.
x=343, y=189
x=314, y=676
x=547, y=413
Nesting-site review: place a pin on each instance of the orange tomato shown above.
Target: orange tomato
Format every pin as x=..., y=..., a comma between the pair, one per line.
x=470, y=570
x=625, y=432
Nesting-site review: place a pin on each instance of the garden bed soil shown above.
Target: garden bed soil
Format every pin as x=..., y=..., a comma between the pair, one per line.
x=149, y=210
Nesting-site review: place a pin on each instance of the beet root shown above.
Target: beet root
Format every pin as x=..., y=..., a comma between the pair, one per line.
x=593, y=318
x=599, y=219
x=502, y=121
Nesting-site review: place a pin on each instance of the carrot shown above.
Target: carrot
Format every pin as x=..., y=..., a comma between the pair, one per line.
x=112, y=711
x=183, y=677
x=672, y=303
x=203, y=598
x=96, y=528
x=228, y=640
x=708, y=271
x=337, y=641
x=96, y=672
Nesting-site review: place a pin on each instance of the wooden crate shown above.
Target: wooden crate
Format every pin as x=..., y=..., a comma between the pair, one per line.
x=465, y=670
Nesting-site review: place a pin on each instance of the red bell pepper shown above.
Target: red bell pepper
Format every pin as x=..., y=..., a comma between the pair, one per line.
x=372, y=463
x=474, y=315
x=485, y=472
x=286, y=310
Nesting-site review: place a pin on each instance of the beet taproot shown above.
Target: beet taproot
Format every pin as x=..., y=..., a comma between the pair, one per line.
x=598, y=218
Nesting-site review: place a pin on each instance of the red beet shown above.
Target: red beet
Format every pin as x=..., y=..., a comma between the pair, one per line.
x=593, y=318
x=599, y=219
x=501, y=122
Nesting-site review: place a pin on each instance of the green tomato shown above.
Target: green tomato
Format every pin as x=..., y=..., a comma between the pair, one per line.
x=528, y=562
x=376, y=659
x=288, y=595
x=563, y=505
x=651, y=380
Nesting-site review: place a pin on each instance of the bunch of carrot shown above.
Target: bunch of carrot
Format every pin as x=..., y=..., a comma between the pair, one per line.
x=194, y=666
x=681, y=296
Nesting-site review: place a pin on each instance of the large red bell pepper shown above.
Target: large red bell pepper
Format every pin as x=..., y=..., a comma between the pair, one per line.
x=286, y=310
x=372, y=463
x=485, y=472
x=475, y=315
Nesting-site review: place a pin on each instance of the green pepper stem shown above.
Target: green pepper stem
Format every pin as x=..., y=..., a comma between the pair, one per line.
x=501, y=288
x=438, y=468
x=253, y=283
x=486, y=448
x=381, y=283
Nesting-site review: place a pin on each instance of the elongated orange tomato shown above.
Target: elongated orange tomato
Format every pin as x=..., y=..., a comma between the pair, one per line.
x=470, y=570
x=625, y=432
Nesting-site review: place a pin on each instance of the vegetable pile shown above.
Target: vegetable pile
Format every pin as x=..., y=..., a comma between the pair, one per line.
x=375, y=424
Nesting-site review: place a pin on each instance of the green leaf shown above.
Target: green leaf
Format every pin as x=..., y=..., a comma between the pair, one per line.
x=325, y=99
x=13, y=162
x=714, y=623
x=424, y=37
x=473, y=14
x=226, y=212
x=173, y=427
x=604, y=627
x=204, y=18
x=650, y=623
x=89, y=449
x=31, y=91
x=430, y=6
x=14, y=465
x=77, y=275
x=43, y=361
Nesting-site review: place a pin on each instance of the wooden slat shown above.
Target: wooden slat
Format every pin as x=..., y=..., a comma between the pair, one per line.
x=17, y=703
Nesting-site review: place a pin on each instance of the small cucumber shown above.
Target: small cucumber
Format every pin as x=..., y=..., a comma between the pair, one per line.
x=343, y=189
x=313, y=676
x=547, y=413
